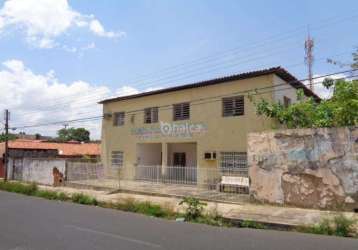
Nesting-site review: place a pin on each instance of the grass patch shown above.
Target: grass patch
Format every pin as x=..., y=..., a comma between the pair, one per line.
x=83, y=199
x=252, y=224
x=147, y=208
x=15, y=187
x=340, y=225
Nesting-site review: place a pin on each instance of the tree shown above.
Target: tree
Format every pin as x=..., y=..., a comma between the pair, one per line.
x=74, y=134
x=355, y=60
x=340, y=110
x=10, y=137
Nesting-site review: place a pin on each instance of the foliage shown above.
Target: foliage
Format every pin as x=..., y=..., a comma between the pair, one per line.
x=339, y=226
x=73, y=134
x=146, y=208
x=252, y=224
x=355, y=60
x=27, y=189
x=9, y=137
x=193, y=208
x=338, y=111
x=83, y=199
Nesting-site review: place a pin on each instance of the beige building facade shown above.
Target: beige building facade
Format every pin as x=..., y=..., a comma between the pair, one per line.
x=198, y=128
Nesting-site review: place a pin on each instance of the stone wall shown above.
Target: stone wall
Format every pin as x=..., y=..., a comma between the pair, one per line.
x=316, y=168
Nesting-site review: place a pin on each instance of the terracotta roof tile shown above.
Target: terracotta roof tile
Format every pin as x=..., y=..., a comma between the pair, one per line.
x=64, y=149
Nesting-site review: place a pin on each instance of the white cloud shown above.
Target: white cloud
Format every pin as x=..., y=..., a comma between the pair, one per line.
x=126, y=90
x=42, y=98
x=319, y=89
x=45, y=20
x=97, y=28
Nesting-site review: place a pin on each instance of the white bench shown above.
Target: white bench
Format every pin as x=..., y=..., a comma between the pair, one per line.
x=234, y=181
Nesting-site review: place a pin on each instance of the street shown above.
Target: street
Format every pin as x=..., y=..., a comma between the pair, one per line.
x=34, y=223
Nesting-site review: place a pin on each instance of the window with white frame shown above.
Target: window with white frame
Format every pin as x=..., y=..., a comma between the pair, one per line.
x=151, y=115
x=233, y=160
x=181, y=111
x=233, y=106
x=118, y=119
x=117, y=159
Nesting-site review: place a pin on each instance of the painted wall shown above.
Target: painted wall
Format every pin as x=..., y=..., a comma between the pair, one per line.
x=315, y=168
x=40, y=170
x=216, y=133
x=149, y=154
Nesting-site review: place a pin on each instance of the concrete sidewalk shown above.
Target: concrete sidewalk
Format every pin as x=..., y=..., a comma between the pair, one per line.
x=280, y=216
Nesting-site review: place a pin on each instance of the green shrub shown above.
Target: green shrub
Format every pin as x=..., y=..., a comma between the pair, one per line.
x=193, y=208
x=340, y=226
x=83, y=199
x=50, y=195
x=27, y=189
x=147, y=208
x=252, y=224
x=62, y=196
x=343, y=226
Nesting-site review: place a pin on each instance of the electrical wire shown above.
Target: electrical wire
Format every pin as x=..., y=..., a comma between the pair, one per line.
x=195, y=100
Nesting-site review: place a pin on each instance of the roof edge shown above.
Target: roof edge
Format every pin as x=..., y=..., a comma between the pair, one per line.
x=279, y=71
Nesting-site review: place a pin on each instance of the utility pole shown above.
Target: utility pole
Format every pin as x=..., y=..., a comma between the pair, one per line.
x=6, y=156
x=309, y=44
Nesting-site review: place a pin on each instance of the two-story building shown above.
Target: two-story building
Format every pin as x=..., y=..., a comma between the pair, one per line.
x=190, y=133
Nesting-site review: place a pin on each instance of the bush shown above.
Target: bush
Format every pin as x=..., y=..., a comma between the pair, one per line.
x=50, y=195
x=252, y=224
x=83, y=199
x=344, y=226
x=147, y=208
x=193, y=208
x=27, y=189
x=339, y=226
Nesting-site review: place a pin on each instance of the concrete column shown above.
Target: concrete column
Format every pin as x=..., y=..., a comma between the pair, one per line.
x=164, y=158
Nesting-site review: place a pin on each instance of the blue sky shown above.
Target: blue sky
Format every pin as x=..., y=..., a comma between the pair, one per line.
x=206, y=38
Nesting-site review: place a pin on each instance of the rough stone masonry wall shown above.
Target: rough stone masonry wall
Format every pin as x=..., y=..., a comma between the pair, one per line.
x=316, y=168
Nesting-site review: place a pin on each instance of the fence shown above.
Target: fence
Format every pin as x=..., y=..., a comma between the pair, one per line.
x=76, y=171
x=204, y=177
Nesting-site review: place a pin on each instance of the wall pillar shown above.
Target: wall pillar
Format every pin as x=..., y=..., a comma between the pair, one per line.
x=164, y=158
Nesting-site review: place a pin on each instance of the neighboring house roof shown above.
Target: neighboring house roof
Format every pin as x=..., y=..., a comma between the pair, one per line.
x=64, y=149
x=279, y=71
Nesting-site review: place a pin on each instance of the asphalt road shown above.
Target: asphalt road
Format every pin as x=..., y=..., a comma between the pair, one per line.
x=34, y=223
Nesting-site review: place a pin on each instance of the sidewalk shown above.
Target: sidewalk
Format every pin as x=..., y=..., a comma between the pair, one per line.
x=281, y=216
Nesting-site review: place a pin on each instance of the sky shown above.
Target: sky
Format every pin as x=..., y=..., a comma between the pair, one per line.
x=59, y=57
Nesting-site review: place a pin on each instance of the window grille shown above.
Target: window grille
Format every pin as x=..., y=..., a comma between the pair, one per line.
x=181, y=111
x=117, y=159
x=233, y=106
x=233, y=160
x=118, y=119
x=151, y=115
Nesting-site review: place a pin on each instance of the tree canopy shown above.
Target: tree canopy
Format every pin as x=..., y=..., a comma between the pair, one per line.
x=73, y=134
x=339, y=110
x=10, y=137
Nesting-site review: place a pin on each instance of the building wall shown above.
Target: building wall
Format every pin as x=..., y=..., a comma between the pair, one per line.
x=217, y=133
x=315, y=168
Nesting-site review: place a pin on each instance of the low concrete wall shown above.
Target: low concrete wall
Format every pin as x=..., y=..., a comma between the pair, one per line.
x=41, y=170
x=315, y=168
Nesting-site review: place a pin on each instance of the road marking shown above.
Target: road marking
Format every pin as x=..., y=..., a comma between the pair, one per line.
x=88, y=230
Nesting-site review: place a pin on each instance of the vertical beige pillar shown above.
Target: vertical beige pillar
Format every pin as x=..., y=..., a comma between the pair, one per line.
x=164, y=157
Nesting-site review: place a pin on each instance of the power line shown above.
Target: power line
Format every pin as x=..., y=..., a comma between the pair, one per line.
x=263, y=42
x=192, y=101
x=90, y=103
